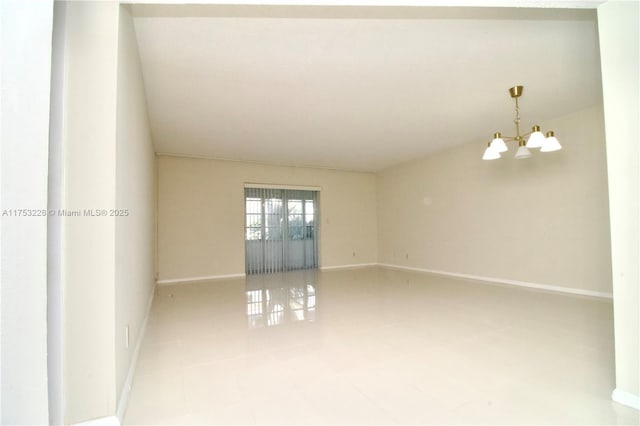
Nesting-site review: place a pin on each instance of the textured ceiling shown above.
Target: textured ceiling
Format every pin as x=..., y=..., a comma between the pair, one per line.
x=356, y=88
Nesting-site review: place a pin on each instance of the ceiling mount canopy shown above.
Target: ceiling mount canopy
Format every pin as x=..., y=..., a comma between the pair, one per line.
x=536, y=139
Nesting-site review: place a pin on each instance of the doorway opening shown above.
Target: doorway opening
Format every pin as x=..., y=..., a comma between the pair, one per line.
x=280, y=230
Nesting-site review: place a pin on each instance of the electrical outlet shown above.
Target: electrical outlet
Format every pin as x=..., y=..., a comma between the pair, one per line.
x=407, y=256
x=354, y=254
x=126, y=337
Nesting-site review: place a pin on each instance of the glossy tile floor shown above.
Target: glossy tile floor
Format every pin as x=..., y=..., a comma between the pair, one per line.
x=374, y=346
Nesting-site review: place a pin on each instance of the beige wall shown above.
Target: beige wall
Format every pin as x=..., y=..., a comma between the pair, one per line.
x=542, y=220
x=201, y=214
x=620, y=58
x=135, y=193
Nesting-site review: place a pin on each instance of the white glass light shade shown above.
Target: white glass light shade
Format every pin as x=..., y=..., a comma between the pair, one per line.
x=550, y=143
x=490, y=154
x=523, y=152
x=498, y=145
x=536, y=140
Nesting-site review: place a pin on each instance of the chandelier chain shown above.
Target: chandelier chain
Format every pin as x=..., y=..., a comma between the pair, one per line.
x=517, y=120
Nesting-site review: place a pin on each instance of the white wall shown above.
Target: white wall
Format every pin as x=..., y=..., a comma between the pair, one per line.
x=135, y=193
x=107, y=163
x=54, y=223
x=201, y=214
x=542, y=220
x=619, y=23
x=25, y=43
x=88, y=260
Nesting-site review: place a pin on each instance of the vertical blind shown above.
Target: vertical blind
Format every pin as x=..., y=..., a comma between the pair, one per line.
x=280, y=230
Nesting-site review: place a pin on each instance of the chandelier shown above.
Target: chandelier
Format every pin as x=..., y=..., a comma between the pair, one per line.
x=536, y=139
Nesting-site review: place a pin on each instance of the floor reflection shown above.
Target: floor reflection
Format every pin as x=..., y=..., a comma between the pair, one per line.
x=275, y=299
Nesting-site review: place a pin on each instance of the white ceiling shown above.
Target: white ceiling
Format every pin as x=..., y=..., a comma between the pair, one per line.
x=356, y=88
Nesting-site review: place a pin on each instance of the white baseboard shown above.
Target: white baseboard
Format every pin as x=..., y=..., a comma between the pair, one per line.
x=128, y=383
x=626, y=398
x=547, y=287
x=101, y=421
x=194, y=279
x=351, y=266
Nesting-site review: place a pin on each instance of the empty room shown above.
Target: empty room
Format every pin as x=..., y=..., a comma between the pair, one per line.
x=322, y=213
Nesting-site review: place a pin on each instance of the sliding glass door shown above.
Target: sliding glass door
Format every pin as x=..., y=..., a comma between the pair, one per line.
x=280, y=230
